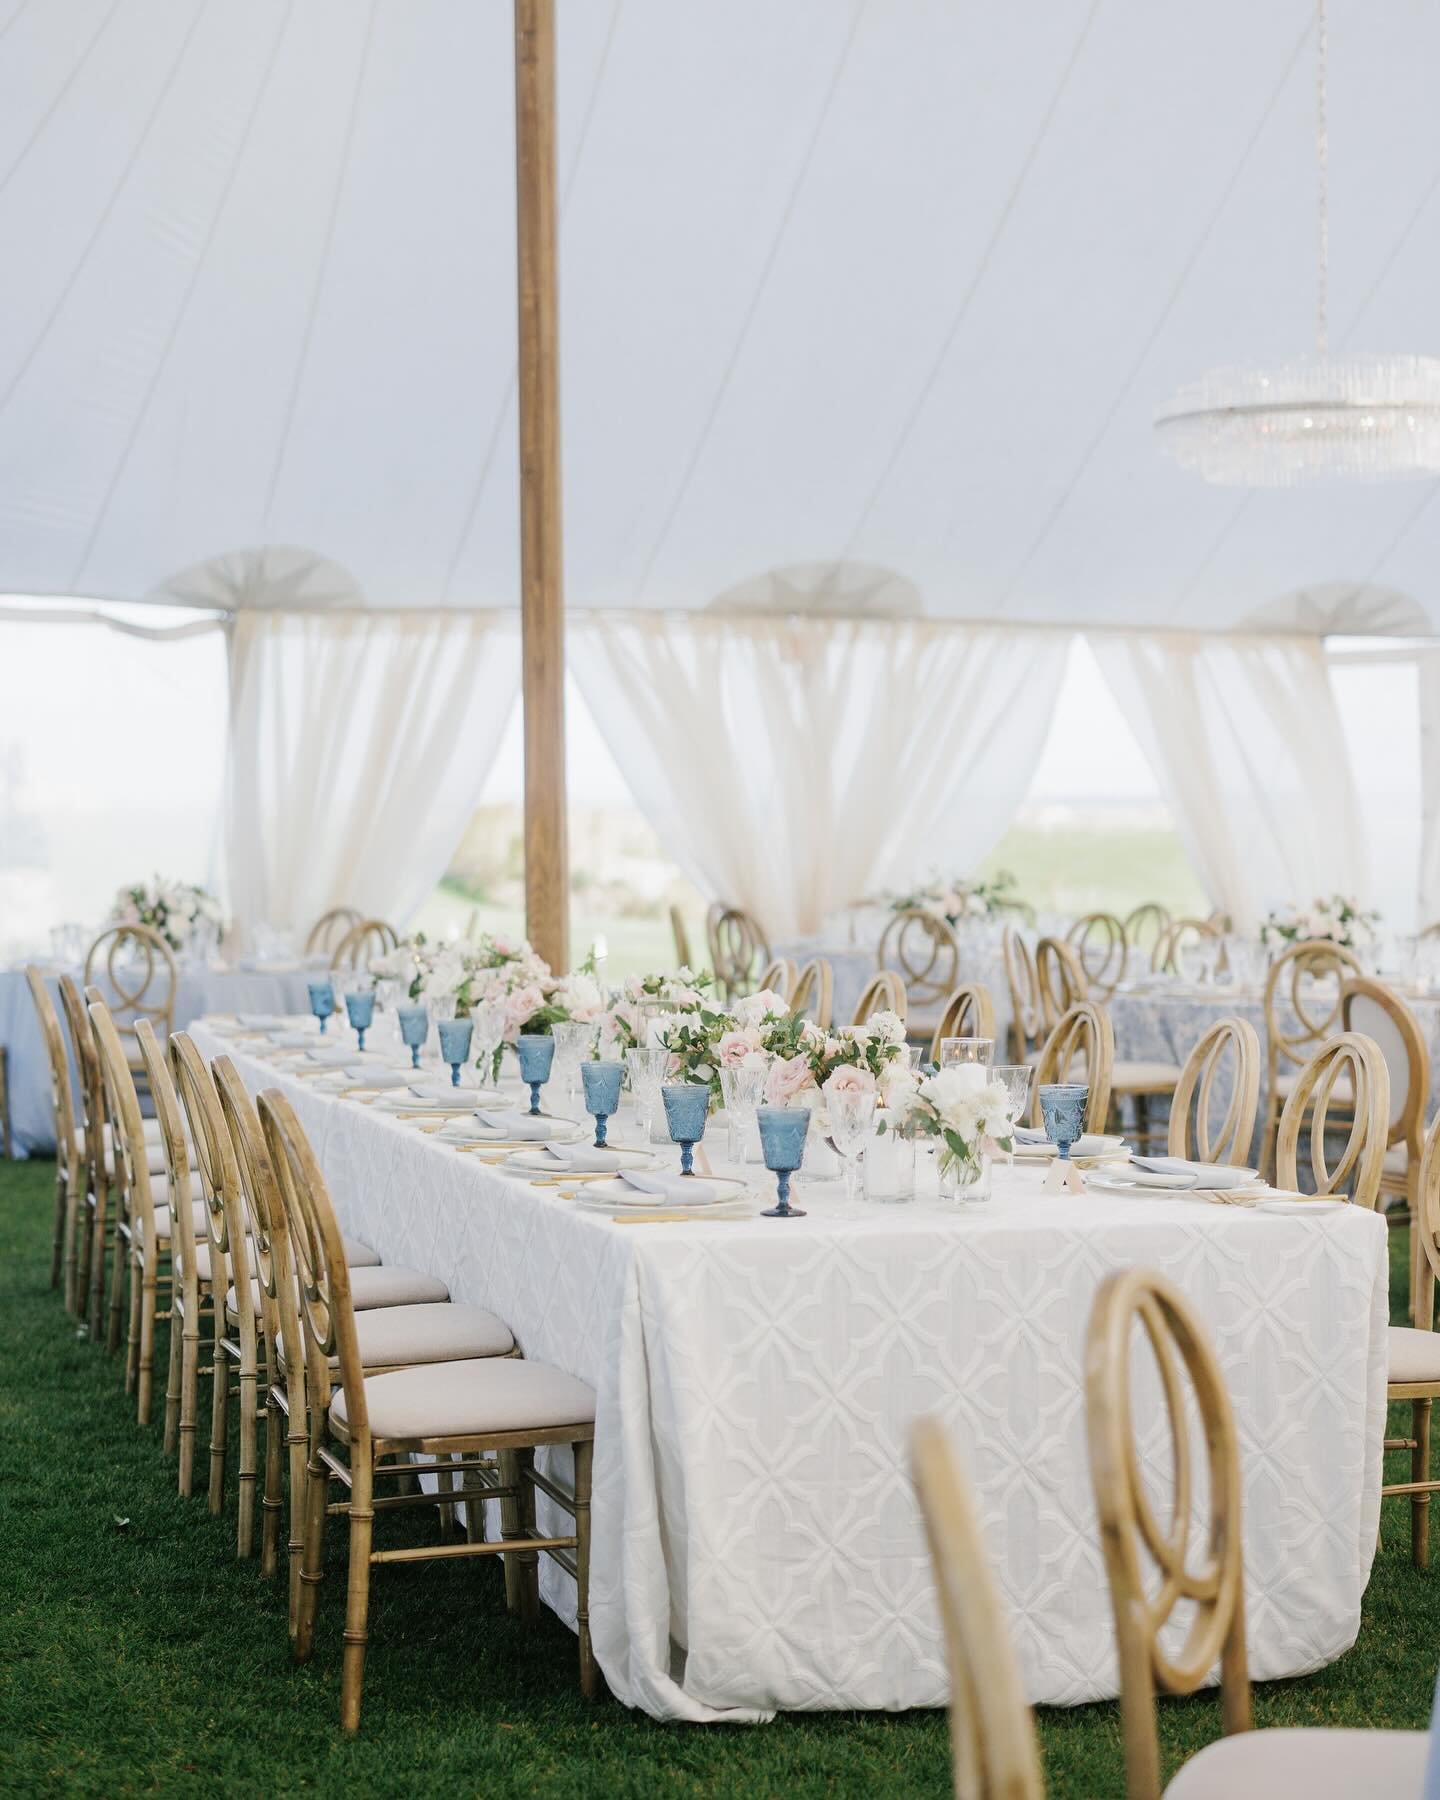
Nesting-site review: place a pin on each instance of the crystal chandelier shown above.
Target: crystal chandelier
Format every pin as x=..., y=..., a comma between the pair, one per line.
x=1356, y=416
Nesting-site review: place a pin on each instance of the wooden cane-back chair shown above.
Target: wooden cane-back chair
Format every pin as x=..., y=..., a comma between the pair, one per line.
x=139, y=969
x=993, y=1745
x=1100, y=945
x=813, y=995
x=883, y=992
x=1378, y=1011
x=681, y=936
x=1027, y=1009
x=371, y=937
x=1146, y=926
x=69, y=1168
x=454, y=1415
x=99, y=1161
x=1226, y=1060
x=922, y=950
x=738, y=950
x=968, y=1013
x=1343, y=1089
x=1309, y=976
x=1082, y=1040
x=779, y=977
x=331, y=928
x=1060, y=978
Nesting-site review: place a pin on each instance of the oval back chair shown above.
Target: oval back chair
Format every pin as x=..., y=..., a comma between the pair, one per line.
x=922, y=950
x=1223, y=1065
x=1027, y=1010
x=1146, y=926
x=682, y=939
x=371, y=937
x=1378, y=1011
x=69, y=1173
x=1060, y=978
x=330, y=929
x=992, y=1733
x=1177, y=936
x=779, y=977
x=1100, y=947
x=968, y=1013
x=883, y=992
x=813, y=995
x=1082, y=1035
x=1304, y=1005
x=99, y=1158
x=1349, y=1069
x=738, y=949
x=139, y=968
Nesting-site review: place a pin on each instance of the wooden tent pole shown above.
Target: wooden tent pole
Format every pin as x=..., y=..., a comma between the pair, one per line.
x=542, y=588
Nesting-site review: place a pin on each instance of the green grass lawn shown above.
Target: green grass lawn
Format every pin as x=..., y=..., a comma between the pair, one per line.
x=138, y=1657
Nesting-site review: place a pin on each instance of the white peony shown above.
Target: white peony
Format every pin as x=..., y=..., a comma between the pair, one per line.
x=753, y=1009
x=887, y=1027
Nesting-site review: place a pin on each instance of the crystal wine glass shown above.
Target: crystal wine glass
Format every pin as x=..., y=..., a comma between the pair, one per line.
x=573, y=1041
x=782, y=1141
x=322, y=1001
x=742, y=1090
x=1062, y=1107
x=1016, y=1079
x=455, y=1036
x=601, y=1082
x=414, y=1029
x=360, y=1008
x=851, y=1118
x=687, y=1104
x=647, y=1068
x=536, y=1050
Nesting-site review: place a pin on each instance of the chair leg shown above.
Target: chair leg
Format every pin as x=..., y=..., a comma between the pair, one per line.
x=510, y=1527
x=312, y=1557
x=145, y=1373
x=1420, y=1471
x=529, y=1559
x=357, y=1593
x=117, y=1286
x=219, y=1414
x=57, y=1242
x=72, y=1248
x=1268, y=1138
x=189, y=1394
x=173, y=1382
x=245, y=1526
x=1417, y=1244
x=132, y=1334
x=295, y=1545
x=589, y=1673
x=272, y=1506
x=84, y=1230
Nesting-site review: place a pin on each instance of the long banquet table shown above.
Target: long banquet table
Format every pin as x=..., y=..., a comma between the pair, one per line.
x=757, y=1544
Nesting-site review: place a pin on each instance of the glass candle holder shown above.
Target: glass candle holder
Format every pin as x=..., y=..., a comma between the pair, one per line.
x=687, y=1103
x=967, y=1050
x=414, y=1029
x=455, y=1036
x=322, y=1001
x=536, y=1050
x=601, y=1082
x=783, y=1130
x=1062, y=1107
x=360, y=1007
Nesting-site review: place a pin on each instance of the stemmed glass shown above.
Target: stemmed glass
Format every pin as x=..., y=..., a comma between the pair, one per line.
x=852, y=1118
x=1016, y=1079
x=601, y=1082
x=687, y=1104
x=489, y=1017
x=966, y=1050
x=360, y=1007
x=647, y=1068
x=742, y=1090
x=536, y=1050
x=322, y=1001
x=455, y=1036
x=573, y=1041
x=414, y=1029
x=1062, y=1107
x=782, y=1141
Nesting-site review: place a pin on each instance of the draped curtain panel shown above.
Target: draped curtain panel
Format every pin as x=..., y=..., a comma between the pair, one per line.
x=1245, y=738
x=792, y=765
x=359, y=746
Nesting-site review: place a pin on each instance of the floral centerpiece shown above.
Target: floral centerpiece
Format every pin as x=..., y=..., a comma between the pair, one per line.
x=955, y=900
x=1336, y=917
x=809, y=1062
x=681, y=992
x=966, y=1111
x=173, y=908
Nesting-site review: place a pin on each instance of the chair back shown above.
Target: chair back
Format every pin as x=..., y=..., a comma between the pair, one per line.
x=330, y=929
x=1347, y=1072
x=992, y=1732
x=219, y=1172
x=813, y=995
x=968, y=1013
x=1060, y=978
x=177, y=1159
x=92, y=1095
x=922, y=950
x=738, y=950
x=1027, y=1009
x=371, y=937
x=134, y=1200
x=1426, y=1222
x=1100, y=945
x=1303, y=975
x=1149, y=1561
x=1083, y=1036
x=1165, y=957
x=139, y=967
x=1146, y=926
x=1380, y=1014
x=1225, y=1062
x=62, y=1095
x=883, y=992
x=779, y=977
x=682, y=939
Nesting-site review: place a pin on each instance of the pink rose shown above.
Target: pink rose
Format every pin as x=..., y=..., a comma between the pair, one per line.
x=787, y=1077
x=849, y=1078
x=734, y=1047
x=523, y=1004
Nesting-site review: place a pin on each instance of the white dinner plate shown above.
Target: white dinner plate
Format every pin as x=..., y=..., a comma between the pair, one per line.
x=1296, y=1206
x=535, y=1162
x=743, y=1206
x=471, y=1131
x=412, y=1103
x=623, y=1198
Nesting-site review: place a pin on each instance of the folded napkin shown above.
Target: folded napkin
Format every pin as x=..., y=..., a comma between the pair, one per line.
x=294, y=1040
x=1176, y=1171
x=362, y=1075
x=519, y=1127
x=265, y=1021
x=1030, y=1134
x=582, y=1159
x=671, y=1190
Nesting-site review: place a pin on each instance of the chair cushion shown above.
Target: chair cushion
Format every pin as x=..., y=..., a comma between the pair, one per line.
x=1144, y=1078
x=471, y=1399
x=360, y=1256
x=391, y=1336
x=1306, y=1764
x=374, y=1284
x=1413, y=1355
x=164, y=1225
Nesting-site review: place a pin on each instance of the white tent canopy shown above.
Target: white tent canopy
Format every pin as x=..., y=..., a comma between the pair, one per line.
x=896, y=285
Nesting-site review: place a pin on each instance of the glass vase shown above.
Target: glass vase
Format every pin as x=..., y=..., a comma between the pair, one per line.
x=963, y=1179
x=887, y=1169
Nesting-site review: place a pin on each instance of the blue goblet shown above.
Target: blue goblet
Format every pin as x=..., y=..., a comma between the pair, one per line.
x=455, y=1036
x=536, y=1050
x=322, y=1001
x=1062, y=1107
x=361, y=1008
x=601, y=1082
x=414, y=1029
x=783, y=1130
x=686, y=1106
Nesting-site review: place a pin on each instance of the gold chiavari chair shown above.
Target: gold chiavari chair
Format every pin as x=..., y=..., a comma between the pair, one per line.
x=1378, y=1011
x=1146, y=926
x=457, y=1415
x=371, y=937
x=883, y=992
x=738, y=949
x=140, y=970
x=968, y=1013
x=1154, y=1584
x=1027, y=1008
x=1228, y=1054
x=813, y=995
x=1099, y=942
x=1060, y=978
x=779, y=977
x=1082, y=1040
x=1348, y=1069
x=992, y=1734
x=331, y=928
x=69, y=1175
x=922, y=950
x=1309, y=975
x=682, y=939
x=1413, y=1354
x=1177, y=935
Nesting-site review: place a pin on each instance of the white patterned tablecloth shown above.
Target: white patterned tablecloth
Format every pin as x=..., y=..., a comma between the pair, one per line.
x=757, y=1543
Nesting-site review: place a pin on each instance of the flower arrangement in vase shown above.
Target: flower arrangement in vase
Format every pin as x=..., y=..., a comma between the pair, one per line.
x=1337, y=918
x=955, y=900
x=172, y=908
x=966, y=1112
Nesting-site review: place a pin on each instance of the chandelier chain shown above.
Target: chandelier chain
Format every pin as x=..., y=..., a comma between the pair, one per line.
x=1322, y=158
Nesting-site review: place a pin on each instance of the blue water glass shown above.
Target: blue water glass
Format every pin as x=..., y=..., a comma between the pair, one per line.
x=455, y=1036
x=414, y=1029
x=686, y=1106
x=322, y=1001
x=601, y=1082
x=361, y=1009
x=783, y=1130
x=1062, y=1107
x=536, y=1050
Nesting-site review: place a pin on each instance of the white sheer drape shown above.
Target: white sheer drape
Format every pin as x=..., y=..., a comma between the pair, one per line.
x=791, y=765
x=359, y=744
x=1244, y=735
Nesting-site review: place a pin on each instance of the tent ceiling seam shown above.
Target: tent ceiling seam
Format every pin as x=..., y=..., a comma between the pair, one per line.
x=5, y=28
x=77, y=68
